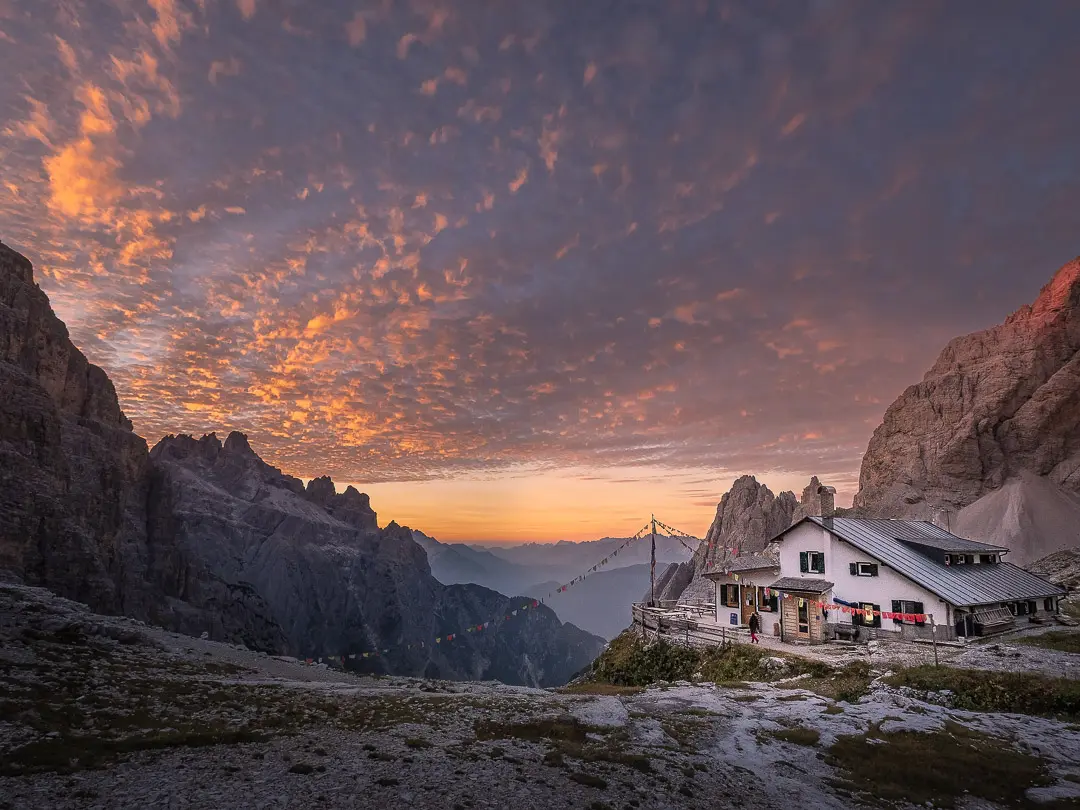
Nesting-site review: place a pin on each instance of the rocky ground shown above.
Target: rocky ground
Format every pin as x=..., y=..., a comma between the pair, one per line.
x=106, y=712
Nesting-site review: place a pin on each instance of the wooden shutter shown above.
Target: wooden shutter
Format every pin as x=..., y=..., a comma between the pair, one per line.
x=803, y=565
x=820, y=563
x=898, y=608
x=854, y=568
x=916, y=607
x=873, y=570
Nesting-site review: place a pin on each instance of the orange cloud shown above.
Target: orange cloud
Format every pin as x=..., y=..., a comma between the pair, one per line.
x=356, y=30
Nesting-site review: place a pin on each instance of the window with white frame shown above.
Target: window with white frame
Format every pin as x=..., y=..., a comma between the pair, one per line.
x=811, y=562
x=863, y=569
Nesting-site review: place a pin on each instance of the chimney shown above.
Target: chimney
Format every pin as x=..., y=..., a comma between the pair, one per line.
x=828, y=501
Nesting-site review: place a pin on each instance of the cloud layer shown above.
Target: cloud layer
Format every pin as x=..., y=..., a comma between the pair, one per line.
x=408, y=241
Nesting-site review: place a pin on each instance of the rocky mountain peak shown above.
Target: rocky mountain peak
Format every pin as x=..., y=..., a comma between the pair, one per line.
x=748, y=516
x=995, y=404
x=237, y=442
x=15, y=266
x=1060, y=295
x=36, y=342
x=993, y=428
x=320, y=490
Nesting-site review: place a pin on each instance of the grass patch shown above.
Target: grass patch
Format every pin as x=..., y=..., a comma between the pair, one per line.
x=847, y=684
x=982, y=691
x=916, y=768
x=1059, y=640
x=799, y=735
x=745, y=698
x=418, y=742
x=557, y=729
x=67, y=754
x=833, y=709
x=630, y=662
x=567, y=738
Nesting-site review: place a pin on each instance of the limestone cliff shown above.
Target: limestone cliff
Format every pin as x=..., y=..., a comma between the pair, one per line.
x=73, y=475
x=995, y=402
x=996, y=405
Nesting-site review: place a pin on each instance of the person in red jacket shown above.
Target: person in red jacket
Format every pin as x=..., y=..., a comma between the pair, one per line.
x=755, y=627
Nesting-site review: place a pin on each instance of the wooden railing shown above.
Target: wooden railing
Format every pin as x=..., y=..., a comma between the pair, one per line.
x=690, y=625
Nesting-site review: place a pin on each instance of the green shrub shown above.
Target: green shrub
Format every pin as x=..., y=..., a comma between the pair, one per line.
x=629, y=661
x=1060, y=640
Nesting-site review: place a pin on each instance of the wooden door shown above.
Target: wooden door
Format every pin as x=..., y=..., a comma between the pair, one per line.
x=747, y=604
x=804, y=618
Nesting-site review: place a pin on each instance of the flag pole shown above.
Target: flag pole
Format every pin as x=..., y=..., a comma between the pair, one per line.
x=652, y=563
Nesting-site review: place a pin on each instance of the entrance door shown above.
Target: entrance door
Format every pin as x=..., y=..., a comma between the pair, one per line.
x=748, y=604
x=804, y=618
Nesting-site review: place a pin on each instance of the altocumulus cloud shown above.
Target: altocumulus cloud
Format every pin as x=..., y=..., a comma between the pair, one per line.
x=397, y=241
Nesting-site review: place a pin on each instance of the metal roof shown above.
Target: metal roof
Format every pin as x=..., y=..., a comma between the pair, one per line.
x=961, y=585
x=927, y=534
x=801, y=584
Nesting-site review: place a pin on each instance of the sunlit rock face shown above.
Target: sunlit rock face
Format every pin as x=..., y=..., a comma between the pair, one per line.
x=201, y=535
x=996, y=404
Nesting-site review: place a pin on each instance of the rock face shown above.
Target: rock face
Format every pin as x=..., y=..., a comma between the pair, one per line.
x=995, y=404
x=203, y=536
x=747, y=518
x=73, y=475
x=338, y=585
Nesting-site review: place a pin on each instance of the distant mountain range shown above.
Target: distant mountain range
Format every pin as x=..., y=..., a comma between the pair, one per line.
x=600, y=604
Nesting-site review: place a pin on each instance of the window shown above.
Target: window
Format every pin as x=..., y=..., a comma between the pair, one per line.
x=958, y=559
x=1048, y=604
x=862, y=621
x=812, y=562
x=988, y=558
x=770, y=603
x=729, y=595
x=863, y=569
x=1033, y=606
x=899, y=606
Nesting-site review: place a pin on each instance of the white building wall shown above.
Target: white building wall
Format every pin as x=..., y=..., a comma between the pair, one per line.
x=880, y=590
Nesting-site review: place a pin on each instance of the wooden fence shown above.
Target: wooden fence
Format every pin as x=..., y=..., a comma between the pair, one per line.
x=690, y=625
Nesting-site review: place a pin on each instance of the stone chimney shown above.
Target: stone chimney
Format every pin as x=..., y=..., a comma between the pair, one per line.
x=828, y=501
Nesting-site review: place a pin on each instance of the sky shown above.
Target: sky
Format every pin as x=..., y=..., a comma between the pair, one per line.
x=533, y=270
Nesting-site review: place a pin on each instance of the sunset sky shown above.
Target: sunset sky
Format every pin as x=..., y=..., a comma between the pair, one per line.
x=529, y=269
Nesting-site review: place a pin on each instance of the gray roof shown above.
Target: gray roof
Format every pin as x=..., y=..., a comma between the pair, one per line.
x=753, y=562
x=801, y=584
x=961, y=585
x=927, y=534
x=745, y=562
